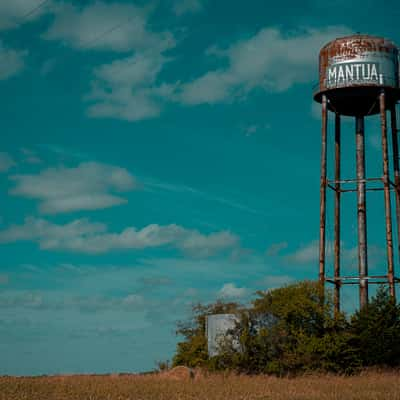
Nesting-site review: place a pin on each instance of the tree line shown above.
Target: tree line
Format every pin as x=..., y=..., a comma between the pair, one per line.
x=293, y=330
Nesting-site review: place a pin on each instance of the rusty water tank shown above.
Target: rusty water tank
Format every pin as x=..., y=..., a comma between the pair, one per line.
x=352, y=72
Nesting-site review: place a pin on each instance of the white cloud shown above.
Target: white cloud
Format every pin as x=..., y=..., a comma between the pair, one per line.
x=50, y=235
x=130, y=88
x=127, y=88
x=196, y=244
x=11, y=61
x=84, y=236
x=6, y=162
x=304, y=255
x=187, y=6
x=30, y=156
x=191, y=292
x=309, y=254
x=13, y=11
x=106, y=26
x=131, y=302
x=276, y=248
x=276, y=281
x=21, y=299
x=268, y=60
x=230, y=291
x=48, y=301
x=89, y=186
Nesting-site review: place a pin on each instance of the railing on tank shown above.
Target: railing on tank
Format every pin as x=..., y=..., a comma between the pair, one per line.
x=384, y=81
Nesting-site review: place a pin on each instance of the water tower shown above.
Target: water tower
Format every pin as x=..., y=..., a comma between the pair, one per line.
x=359, y=77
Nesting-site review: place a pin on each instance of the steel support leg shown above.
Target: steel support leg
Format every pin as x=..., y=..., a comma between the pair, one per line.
x=322, y=227
x=361, y=211
x=386, y=186
x=337, y=216
x=396, y=169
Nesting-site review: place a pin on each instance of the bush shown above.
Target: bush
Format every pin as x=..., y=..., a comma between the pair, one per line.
x=293, y=330
x=192, y=352
x=376, y=328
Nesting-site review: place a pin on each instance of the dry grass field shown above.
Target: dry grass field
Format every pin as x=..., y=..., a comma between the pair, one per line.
x=368, y=386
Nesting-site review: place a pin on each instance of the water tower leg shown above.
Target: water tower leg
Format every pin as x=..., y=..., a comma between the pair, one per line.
x=386, y=189
x=396, y=168
x=361, y=211
x=337, y=216
x=323, y=192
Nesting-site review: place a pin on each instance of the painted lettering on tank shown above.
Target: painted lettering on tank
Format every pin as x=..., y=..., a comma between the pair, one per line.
x=353, y=73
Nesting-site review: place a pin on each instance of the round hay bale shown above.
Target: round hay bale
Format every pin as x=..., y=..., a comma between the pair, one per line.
x=179, y=373
x=200, y=373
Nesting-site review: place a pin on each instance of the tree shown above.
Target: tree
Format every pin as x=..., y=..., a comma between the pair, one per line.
x=192, y=351
x=376, y=328
x=293, y=329
x=300, y=307
x=305, y=335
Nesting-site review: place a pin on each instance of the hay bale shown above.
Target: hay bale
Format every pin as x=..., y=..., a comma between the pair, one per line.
x=200, y=373
x=179, y=373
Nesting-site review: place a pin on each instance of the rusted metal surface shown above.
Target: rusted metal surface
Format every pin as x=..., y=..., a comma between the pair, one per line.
x=396, y=168
x=337, y=215
x=355, y=180
x=386, y=185
x=322, y=206
x=361, y=211
x=355, y=280
x=366, y=189
x=359, y=75
x=361, y=48
x=353, y=69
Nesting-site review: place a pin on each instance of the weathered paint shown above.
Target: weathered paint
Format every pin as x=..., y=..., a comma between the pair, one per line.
x=353, y=69
x=217, y=329
x=359, y=60
x=359, y=76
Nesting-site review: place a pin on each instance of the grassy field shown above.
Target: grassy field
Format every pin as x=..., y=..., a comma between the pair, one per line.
x=368, y=386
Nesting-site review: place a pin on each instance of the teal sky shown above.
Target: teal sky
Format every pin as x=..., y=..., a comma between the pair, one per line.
x=159, y=153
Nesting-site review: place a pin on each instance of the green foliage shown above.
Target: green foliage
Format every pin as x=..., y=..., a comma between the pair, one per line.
x=299, y=307
x=162, y=365
x=377, y=331
x=292, y=330
x=192, y=352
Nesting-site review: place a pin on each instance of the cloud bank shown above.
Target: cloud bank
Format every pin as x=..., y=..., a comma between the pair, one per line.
x=268, y=60
x=101, y=25
x=83, y=236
